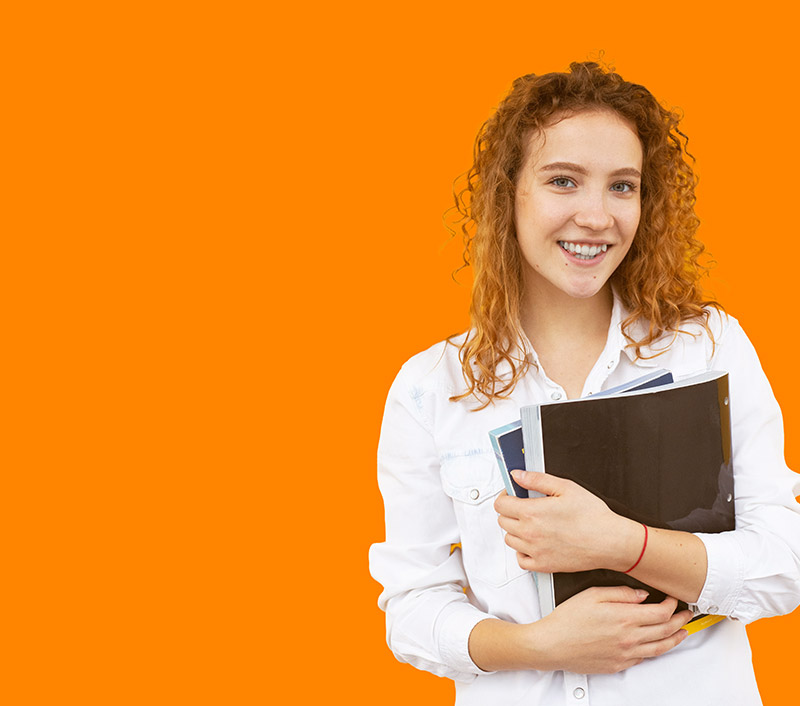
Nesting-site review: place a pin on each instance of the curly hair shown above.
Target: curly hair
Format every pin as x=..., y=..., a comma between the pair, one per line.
x=658, y=281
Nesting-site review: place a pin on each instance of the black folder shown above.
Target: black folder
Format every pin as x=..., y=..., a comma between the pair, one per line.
x=660, y=456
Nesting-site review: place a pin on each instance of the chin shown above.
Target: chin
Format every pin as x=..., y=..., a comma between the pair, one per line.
x=586, y=291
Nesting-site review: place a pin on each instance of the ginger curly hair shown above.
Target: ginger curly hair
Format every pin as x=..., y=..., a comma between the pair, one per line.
x=658, y=281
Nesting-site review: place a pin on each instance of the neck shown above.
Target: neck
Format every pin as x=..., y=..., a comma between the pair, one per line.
x=548, y=314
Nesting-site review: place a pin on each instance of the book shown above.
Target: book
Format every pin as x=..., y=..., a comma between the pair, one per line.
x=507, y=442
x=659, y=455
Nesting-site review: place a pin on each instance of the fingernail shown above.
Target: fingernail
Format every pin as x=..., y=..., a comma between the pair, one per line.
x=517, y=473
x=640, y=594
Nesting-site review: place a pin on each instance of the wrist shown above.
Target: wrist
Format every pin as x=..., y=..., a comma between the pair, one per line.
x=496, y=645
x=626, y=547
x=542, y=645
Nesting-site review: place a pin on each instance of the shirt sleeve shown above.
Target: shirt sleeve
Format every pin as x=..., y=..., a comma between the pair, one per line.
x=428, y=615
x=754, y=571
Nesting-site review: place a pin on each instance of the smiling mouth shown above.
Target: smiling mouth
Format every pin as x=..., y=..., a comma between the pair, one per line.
x=583, y=252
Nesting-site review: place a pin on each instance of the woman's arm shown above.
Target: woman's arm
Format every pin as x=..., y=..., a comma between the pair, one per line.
x=598, y=631
x=572, y=530
x=749, y=573
x=754, y=572
x=428, y=615
x=432, y=624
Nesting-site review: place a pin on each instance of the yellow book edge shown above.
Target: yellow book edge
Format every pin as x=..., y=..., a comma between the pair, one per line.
x=704, y=622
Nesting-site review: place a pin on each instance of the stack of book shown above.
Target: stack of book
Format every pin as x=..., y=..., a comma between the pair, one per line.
x=655, y=450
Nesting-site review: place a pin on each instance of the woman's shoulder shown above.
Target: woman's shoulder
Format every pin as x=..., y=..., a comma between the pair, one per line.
x=715, y=328
x=696, y=342
x=428, y=380
x=714, y=322
x=437, y=366
x=712, y=325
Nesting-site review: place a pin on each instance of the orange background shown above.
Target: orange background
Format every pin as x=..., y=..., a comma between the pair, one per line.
x=222, y=239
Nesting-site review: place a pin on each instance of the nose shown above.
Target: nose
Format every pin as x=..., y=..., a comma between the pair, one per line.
x=593, y=212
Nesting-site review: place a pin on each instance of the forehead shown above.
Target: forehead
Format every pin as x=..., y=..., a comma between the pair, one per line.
x=591, y=138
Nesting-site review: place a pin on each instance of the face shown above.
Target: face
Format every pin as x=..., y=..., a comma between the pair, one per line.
x=578, y=203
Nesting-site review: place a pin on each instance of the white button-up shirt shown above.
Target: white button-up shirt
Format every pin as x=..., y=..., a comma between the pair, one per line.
x=439, y=477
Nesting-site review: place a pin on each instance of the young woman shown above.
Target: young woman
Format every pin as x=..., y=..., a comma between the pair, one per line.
x=581, y=231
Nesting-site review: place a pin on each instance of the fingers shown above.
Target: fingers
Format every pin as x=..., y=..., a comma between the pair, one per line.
x=541, y=482
x=653, y=640
x=509, y=524
x=658, y=613
x=617, y=594
x=527, y=562
x=616, y=632
x=508, y=506
x=649, y=614
x=660, y=631
x=671, y=634
x=663, y=614
x=511, y=505
x=659, y=637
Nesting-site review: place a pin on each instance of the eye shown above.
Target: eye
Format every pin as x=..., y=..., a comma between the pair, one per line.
x=562, y=182
x=623, y=187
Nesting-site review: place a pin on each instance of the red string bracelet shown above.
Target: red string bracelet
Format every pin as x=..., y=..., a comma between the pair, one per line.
x=644, y=546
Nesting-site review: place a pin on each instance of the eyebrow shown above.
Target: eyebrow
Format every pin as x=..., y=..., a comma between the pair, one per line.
x=577, y=168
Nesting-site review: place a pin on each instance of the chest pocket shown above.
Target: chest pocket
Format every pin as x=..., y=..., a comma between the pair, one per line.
x=473, y=481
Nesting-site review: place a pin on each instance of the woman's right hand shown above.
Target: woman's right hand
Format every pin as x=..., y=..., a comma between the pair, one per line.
x=606, y=630
x=598, y=631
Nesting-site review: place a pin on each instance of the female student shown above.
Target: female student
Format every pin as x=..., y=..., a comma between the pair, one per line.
x=581, y=232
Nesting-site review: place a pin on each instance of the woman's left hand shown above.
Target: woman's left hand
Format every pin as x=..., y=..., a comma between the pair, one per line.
x=569, y=529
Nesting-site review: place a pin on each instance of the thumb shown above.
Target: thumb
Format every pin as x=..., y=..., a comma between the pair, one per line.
x=541, y=482
x=619, y=594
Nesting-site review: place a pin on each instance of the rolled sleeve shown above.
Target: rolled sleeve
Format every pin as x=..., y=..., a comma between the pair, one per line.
x=725, y=576
x=754, y=571
x=456, y=626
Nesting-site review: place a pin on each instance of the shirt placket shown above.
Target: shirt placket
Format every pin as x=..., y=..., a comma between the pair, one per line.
x=606, y=364
x=577, y=689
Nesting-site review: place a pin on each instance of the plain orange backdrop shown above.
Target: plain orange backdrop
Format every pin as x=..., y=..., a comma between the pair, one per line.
x=222, y=237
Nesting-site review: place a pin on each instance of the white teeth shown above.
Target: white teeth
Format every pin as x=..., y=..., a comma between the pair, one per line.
x=583, y=252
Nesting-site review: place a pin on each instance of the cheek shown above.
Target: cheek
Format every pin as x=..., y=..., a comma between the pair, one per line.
x=524, y=210
x=629, y=220
x=540, y=216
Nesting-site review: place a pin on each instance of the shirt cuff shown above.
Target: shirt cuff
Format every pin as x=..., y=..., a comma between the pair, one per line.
x=725, y=575
x=454, y=626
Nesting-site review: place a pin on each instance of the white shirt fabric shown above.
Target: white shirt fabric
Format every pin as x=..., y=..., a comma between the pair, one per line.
x=439, y=478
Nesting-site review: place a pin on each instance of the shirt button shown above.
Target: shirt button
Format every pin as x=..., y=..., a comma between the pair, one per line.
x=555, y=396
x=610, y=364
x=713, y=609
x=474, y=493
x=579, y=693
